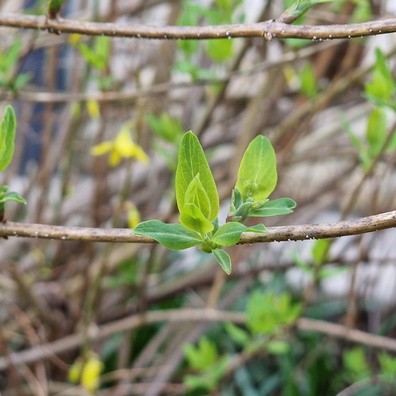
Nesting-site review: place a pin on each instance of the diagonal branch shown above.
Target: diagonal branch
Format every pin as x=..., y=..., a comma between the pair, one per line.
x=267, y=29
x=284, y=233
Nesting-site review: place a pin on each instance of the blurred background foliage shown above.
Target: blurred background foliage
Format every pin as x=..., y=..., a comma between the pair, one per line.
x=99, y=123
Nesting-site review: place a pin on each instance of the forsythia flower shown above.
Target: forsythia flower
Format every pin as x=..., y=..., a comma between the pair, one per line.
x=90, y=373
x=75, y=39
x=121, y=147
x=93, y=108
x=86, y=372
x=133, y=215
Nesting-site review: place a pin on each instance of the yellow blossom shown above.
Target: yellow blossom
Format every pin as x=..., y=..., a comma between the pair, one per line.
x=91, y=372
x=121, y=147
x=75, y=39
x=133, y=214
x=93, y=108
x=75, y=370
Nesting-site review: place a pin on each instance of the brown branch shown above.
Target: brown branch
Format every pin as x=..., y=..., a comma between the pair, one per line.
x=96, y=333
x=284, y=233
x=51, y=97
x=267, y=30
x=186, y=315
x=346, y=333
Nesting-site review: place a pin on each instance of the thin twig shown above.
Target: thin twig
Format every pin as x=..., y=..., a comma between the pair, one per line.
x=130, y=96
x=96, y=333
x=274, y=234
x=267, y=30
x=187, y=315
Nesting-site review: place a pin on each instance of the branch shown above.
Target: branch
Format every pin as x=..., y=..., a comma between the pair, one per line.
x=267, y=30
x=186, y=315
x=284, y=233
x=96, y=333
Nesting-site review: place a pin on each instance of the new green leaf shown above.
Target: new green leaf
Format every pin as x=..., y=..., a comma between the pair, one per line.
x=11, y=196
x=172, y=236
x=192, y=218
x=223, y=259
x=383, y=85
x=299, y=8
x=276, y=207
x=257, y=176
x=7, y=137
x=192, y=163
x=219, y=50
x=54, y=7
x=196, y=195
x=376, y=130
x=203, y=355
x=230, y=233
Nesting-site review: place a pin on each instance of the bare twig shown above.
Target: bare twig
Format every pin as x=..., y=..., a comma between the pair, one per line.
x=130, y=96
x=75, y=340
x=267, y=29
x=340, y=331
x=187, y=315
x=283, y=233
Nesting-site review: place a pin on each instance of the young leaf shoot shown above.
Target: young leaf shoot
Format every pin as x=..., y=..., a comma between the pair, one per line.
x=198, y=201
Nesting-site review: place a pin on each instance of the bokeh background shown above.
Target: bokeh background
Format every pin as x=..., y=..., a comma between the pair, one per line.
x=327, y=107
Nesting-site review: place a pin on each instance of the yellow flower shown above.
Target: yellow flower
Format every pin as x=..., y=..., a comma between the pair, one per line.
x=133, y=215
x=75, y=39
x=121, y=147
x=93, y=108
x=75, y=370
x=91, y=372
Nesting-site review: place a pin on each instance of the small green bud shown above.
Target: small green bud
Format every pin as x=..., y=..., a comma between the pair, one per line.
x=250, y=188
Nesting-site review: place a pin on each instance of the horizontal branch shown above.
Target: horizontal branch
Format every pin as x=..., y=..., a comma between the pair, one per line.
x=125, y=96
x=284, y=233
x=267, y=30
x=185, y=315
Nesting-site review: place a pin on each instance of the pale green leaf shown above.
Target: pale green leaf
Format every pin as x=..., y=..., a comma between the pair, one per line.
x=299, y=8
x=172, y=236
x=12, y=196
x=278, y=347
x=203, y=355
x=165, y=126
x=102, y=51
x=196, y=195
x=275, y=207
x=7, y=137
x=219, y=50
x=192, y=218
x=223, y=259
x=257, y=176
x=237, y=334
x=320, y=251
x=230, y=233
x=191, y=162
x=382, y=86
x=376, y=130
x=308, y=81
